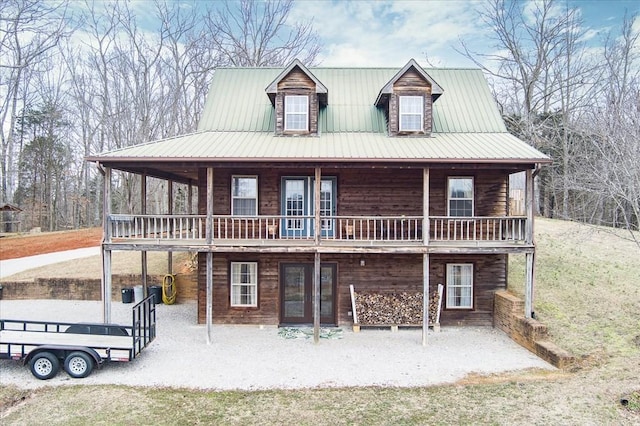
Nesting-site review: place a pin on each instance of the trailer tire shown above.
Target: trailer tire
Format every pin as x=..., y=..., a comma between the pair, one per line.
x=44, y=365
x=78, y=365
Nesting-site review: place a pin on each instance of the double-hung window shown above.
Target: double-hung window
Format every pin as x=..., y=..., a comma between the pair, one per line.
x=244, y=195
x=411, y=113
x=459, y=286
x=460, y=199
x=244, y=284
x=296, y=113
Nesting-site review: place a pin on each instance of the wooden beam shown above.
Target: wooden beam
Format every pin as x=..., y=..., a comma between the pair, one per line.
x=209, y=225
x=425, y=297
x=106, y=254
x=316, y=298
x=425, y=206
x=170, y=212
x=529, y=284
x=209, y=309
x=143, y=210
x=317, y=192
x=106, y=285
x=209, y=238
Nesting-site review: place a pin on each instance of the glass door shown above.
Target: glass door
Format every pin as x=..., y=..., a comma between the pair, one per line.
x=296, y=289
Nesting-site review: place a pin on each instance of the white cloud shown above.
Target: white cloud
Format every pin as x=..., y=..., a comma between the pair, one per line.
x=388, y=33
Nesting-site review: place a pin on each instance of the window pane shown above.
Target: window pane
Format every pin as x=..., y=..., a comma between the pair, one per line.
x=294, y=190
x=244, y=195
x=326, y=204
x=244, y=284
x=296, y=111
x=460, y=197
x=411, y=113
x=459, y=286
x=461, y=188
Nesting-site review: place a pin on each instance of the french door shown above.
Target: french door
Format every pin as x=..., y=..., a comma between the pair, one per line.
x=298, y=206
x=296, y=293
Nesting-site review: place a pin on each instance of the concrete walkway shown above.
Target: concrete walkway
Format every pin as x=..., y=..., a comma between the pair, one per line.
x=13, y=266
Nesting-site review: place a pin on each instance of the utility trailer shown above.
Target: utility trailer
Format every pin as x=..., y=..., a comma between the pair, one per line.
x=79, y=347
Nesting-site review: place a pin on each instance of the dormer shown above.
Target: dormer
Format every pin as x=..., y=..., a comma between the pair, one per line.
x=297, y=96
x=408, y=99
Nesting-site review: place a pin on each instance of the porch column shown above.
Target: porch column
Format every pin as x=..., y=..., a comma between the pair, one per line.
x=170, y=211
x=316, y=298
x=209, y=236
x=143, y=211
x=425, y=206
x=530, y=257
x=105, y=253
x=316, y=269
x=425, y=297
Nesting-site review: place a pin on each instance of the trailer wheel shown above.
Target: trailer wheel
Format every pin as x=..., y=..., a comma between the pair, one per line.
x=78, y=365
x=44, y=365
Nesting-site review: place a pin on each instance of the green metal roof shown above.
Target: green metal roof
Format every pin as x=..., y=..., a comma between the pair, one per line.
x=334, y=147
x=237, y=101
x=238, y=125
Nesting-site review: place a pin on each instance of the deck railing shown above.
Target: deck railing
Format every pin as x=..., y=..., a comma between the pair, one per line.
x=157, y=227
x=333, y=228
x=509, y=228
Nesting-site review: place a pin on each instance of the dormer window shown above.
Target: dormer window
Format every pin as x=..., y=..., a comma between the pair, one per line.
x=407, y=100
x=411, y=114
x=296, y=113
x=297, y=97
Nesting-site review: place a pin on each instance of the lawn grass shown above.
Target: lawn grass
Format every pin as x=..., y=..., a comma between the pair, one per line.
x=587, y=292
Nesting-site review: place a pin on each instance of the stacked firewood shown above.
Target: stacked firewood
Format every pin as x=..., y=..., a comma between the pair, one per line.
x=393, y=308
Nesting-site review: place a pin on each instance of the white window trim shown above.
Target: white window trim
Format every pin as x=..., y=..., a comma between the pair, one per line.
x=451, y=285
x=306, y=114
x=233, y=177
x=400, y=114
x=473, y=194
x=237, y=286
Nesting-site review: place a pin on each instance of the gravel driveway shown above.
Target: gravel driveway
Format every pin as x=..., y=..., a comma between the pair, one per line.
x=248, y=357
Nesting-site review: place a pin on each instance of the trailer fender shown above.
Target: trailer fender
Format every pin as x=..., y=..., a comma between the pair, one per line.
x=61, y=352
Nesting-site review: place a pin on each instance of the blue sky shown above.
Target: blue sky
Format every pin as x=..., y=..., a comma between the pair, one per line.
x=389, y=33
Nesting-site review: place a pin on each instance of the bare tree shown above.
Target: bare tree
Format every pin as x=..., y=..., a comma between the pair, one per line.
x=543, y=79
x=257, y=34
x=29, y=30
x=611, y=157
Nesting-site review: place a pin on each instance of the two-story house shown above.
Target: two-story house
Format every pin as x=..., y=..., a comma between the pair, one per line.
x=313, y=179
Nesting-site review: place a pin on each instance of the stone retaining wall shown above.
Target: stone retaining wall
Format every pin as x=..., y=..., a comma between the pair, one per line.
x=89, y=289
x=528, y=332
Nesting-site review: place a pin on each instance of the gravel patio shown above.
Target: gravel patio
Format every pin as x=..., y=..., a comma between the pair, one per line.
x=251, y=357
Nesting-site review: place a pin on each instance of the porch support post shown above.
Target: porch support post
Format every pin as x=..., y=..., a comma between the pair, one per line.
x=209, y=236
x=425, y=297
x=425, y=206
x=143, y=210
x=106, y=254
x=209, y=297
x=529, y=284
x=316, y=269
x=316, y=298
x=317, y=191
x=190, y=199
x=530, y=257
x=170, y=230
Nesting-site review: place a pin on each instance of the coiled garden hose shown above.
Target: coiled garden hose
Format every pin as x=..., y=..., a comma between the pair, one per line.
x=169, y=291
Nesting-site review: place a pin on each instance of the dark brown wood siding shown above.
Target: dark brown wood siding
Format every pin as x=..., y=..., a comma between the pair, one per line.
x=366, y=192
x=381, y=273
